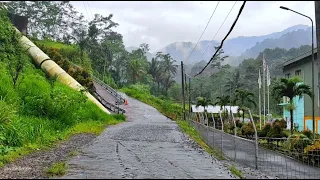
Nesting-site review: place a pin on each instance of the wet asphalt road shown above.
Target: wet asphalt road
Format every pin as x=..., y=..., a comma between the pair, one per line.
x=149, y=145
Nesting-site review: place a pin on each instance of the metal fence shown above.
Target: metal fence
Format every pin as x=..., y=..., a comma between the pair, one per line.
x=266, y=154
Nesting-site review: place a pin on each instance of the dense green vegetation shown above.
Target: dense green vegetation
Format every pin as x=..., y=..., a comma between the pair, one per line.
x=96, y=45
x=36, y=112
x=223, y=80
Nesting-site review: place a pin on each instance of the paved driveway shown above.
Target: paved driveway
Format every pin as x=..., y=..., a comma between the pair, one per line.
x=149, y=145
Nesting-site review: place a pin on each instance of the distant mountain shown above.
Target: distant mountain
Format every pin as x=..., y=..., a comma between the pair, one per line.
x=286, y=41
x=240, y=47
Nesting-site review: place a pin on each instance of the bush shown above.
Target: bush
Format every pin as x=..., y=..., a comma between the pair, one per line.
x=313, y=153
x=283, y=123
x=228, y=128
x=307, y=133
x=78, y=73
x=264, y=131
x=297, y=142
x=276, y=131
x=247, y=130
x=239, y=124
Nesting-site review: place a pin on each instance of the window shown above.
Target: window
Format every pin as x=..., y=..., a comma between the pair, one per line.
x=287, y=75
x=298, y=72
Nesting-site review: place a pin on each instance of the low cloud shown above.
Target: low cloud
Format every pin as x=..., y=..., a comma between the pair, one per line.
x=161, y=23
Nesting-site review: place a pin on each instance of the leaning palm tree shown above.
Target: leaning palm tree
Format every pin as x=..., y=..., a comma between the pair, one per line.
x=291, y=88
x=223, y=100
x=244, y=99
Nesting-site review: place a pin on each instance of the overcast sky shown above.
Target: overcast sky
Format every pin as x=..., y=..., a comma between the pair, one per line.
x=160, y=23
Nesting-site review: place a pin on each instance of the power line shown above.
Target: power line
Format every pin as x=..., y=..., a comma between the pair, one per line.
x=234, y=23
x=90, y=10
x=218, y=29
x=203, y=31
x=86, y=9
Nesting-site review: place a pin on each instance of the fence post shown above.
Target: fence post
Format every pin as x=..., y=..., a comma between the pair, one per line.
x=235, y=135
x=256, y=138
x=214, y=123
x=222, y=131
x=221, y=121
x=206, y=117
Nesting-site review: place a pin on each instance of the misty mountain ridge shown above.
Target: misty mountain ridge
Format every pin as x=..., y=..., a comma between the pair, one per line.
x=238, y=48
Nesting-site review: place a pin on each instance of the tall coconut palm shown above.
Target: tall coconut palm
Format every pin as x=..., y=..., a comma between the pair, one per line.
x=168, y=64
x=155, y=70
x=153, y=67
x=244, y=99
x=291, y=88
x=137, y=70
x=223, y=100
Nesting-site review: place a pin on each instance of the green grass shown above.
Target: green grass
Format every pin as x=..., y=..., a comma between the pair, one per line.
x=193, y=133
x=235, y=171
x=57, y=169
x=56, y=45
x=91, y=127
x=73, y=153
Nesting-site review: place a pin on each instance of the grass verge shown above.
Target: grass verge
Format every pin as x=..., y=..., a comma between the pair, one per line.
x=91, y=127
x=233, y=169
x=57, y=169
x=186, y=128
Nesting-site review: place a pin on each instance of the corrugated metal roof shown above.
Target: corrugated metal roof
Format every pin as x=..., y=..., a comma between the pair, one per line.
x=213, y=109
x=298, y=58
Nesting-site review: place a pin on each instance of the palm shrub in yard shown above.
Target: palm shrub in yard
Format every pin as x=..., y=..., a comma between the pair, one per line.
x=291, y=88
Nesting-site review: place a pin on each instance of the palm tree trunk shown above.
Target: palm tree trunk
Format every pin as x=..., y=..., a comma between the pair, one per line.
x=291, y=120
x=243, y=116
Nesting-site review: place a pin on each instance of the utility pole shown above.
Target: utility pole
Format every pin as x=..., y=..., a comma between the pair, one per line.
x=264, y=90
x=186, y=89
x=189, y=95
x=317, y=16
x=183, y=102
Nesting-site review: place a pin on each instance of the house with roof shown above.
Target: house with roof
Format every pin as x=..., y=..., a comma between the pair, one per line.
x=302, y=114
